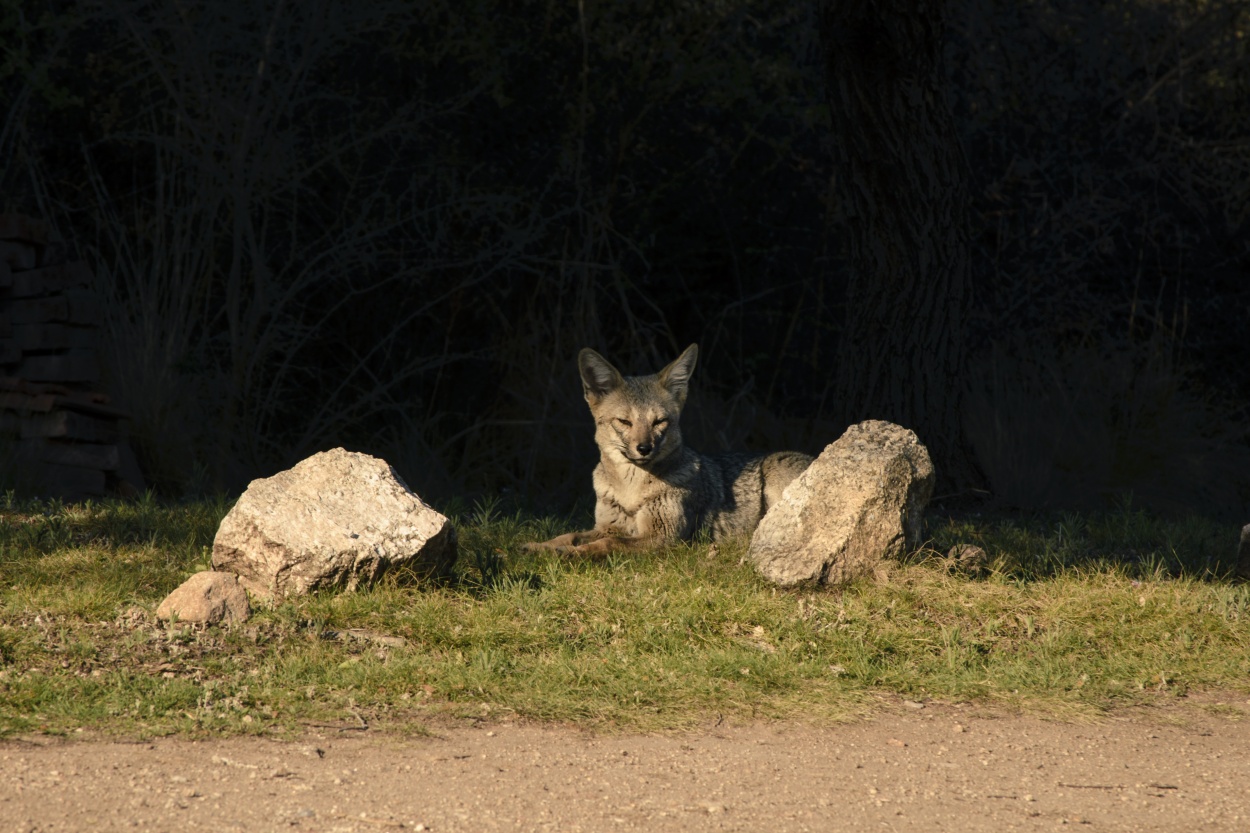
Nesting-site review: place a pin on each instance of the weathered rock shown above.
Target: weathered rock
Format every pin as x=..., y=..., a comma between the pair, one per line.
x=337, y=519
x=1242, y=568
x=860, y=501
x=208, y=597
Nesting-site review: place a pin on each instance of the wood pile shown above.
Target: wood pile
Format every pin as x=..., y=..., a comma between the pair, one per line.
x=62, y=436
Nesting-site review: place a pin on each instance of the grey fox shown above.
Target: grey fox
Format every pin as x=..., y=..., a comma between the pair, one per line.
x=651, y=489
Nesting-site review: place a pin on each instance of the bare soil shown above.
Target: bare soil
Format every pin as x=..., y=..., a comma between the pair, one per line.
x=912, y=767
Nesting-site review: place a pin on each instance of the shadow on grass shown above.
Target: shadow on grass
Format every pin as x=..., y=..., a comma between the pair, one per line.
x=1021, y=545
x=478, y=573
x=1032, y=546
x=43, y=526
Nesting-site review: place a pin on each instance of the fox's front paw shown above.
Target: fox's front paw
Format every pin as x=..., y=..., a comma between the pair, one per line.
x=554, y=545
x=595, y=550
x=567, y=549
x=567, y=542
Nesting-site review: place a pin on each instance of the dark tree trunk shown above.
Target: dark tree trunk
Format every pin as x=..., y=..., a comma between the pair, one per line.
x=899, y=166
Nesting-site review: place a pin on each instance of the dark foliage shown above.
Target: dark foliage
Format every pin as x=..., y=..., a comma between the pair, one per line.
x=392, y=226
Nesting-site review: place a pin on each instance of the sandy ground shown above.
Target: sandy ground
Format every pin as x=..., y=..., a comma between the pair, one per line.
x=930, y=768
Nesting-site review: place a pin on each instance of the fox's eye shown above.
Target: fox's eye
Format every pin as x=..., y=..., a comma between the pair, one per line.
x=660, y=423
x=625, y=423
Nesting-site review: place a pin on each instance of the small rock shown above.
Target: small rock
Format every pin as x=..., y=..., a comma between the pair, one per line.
x=132, y=617
x=912, y=704
x=968, y=559
x=958, y=728
x=364, y=635
x=861, y=501
x=208, y=597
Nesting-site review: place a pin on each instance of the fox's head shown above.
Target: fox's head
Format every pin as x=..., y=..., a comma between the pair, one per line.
x=636, y=417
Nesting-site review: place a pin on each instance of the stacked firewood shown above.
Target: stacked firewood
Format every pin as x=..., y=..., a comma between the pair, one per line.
x=59, y=435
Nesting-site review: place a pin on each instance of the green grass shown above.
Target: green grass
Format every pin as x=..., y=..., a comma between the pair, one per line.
x=1079, y=614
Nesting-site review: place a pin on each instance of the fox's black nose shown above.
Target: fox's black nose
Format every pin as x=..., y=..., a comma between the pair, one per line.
x=644, y=449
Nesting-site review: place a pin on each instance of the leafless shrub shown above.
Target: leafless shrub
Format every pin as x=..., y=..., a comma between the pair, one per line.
x=393, y=225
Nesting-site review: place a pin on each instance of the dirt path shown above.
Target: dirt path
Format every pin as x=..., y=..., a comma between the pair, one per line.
x=927, y=769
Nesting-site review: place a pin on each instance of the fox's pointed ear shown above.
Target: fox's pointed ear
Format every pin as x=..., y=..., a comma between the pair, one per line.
x=676, y=377
x=599, y=378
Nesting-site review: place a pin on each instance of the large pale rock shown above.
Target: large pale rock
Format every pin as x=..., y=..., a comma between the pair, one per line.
x=337, y=519
x=860, y=501
x=207, y=597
